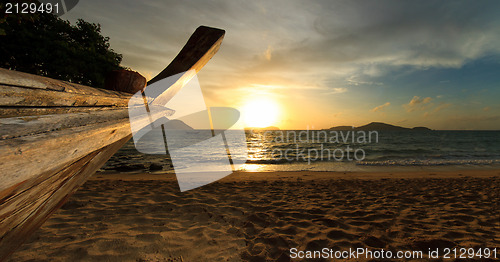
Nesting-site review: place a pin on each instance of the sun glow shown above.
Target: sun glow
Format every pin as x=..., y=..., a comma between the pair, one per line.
x=260, y=113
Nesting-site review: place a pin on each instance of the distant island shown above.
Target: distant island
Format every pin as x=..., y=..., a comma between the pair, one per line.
x=379, y=126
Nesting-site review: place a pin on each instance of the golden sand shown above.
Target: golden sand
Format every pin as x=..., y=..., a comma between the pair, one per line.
x=261, y=216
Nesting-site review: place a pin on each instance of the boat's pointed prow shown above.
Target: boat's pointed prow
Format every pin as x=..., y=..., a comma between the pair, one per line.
x=199, y=49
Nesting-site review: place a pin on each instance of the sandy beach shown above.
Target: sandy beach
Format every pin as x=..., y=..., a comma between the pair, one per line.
x=262, y=216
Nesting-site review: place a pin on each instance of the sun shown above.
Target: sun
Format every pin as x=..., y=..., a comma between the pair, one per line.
x=260, y=113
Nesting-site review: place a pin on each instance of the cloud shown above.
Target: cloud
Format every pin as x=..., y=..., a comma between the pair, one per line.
x=268, y=53
x=426, y=100
x=417, y=103
x=336, y=90
x=434, y=33
x=353, y=80
x=437, y=109
x=441, y=107
x=316, y=47
x=381, y=107
x=417, y=100
x=311, y=41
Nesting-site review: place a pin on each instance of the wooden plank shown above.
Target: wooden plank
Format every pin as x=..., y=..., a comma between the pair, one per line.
x=8, y=112
x=199, y=49
x=7, y=192
x=23, y=224
x=14, y=78
x=20, y=79
x=24, y=157
x=19, y=205
x=24, y=97
x=31, y=125
x=12, y=223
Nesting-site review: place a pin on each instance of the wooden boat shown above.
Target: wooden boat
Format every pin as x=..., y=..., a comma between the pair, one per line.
x=54, y=135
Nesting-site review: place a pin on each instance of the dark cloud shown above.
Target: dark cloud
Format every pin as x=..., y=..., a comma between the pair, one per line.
x=305, y=35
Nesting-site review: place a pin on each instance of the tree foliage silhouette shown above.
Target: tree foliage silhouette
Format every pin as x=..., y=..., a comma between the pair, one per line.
x=46, y=45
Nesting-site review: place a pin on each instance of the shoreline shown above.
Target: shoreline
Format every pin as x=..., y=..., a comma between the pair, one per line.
x=309, y=175
x=320, y=167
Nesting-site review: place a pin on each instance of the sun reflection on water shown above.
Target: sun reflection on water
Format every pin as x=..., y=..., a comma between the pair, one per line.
x=252, y=167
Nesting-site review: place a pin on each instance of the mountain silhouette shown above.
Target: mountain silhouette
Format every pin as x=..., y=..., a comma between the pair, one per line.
x=378, y=126
x=174, y=124
x=177, y=125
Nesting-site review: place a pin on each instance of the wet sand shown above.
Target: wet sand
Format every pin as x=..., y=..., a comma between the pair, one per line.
x=261, y=216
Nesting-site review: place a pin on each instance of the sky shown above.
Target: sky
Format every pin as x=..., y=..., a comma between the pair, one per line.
x=326, y=63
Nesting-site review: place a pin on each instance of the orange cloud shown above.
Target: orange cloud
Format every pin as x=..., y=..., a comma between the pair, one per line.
x=378, y=108
x=417, y=103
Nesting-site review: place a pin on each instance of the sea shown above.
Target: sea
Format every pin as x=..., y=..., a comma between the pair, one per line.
x=319, y=150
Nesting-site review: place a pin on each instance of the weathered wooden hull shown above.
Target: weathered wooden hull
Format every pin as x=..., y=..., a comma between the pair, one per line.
x=29, y=204
x=54, y=135
x=44, y=157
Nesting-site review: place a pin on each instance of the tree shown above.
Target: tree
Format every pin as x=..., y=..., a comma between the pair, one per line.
x=46, y=45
